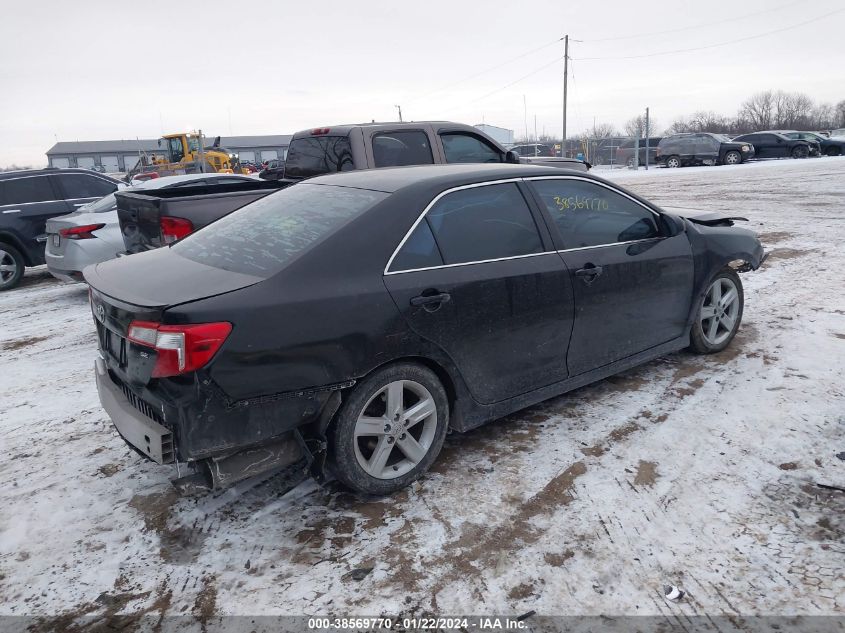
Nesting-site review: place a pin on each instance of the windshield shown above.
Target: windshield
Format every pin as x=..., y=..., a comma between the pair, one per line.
x=722, y=137
x=262, y=237
x=193, y=144
x=107, y=203
x=314, y=155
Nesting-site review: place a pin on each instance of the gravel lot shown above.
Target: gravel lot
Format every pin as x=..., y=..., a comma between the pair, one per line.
x=702, y=472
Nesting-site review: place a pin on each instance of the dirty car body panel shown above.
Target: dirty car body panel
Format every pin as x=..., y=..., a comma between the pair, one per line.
x=318, y=296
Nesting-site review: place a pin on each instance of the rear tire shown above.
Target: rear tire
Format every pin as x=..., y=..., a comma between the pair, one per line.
x=719, y=313
x=800, y=151
x=673, y=162
x=375, y=449
x=12, y=265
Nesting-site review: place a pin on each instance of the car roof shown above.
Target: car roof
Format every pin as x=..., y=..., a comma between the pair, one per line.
x=392, y=179
x=44, y=171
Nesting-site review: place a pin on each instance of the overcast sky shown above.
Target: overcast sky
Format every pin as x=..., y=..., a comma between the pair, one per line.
x=110, y=70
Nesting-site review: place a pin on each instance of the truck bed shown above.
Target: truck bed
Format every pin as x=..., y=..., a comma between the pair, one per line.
x=140, y=213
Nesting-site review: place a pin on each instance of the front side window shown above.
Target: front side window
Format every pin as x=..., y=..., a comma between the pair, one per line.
x=174, y=146
x=481, y=223
x=394, y=149
x=315, y=155
x=81, y=186
x=465, y=148
x=262, y=237
x=23, y=190
x=587, y=214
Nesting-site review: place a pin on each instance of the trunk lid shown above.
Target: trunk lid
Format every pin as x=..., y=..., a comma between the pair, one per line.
x=161, y=278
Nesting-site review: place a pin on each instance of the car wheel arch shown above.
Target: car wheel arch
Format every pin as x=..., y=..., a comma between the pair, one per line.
x=446, y=377
x=13, y=240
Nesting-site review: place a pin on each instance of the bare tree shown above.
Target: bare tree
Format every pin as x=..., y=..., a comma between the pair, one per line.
x=840, y=114
x=601, y=130
x=636, y=126
x=759, y=110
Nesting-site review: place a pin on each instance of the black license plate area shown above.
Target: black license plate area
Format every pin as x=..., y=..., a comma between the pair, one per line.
x=112, y=344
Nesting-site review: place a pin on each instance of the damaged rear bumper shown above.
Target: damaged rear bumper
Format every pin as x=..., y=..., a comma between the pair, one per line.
x=142, y=432
x=144, y=428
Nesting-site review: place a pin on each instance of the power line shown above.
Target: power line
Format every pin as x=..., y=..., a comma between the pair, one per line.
x=709, y=46
x=487, y=70
x=516, y=81
x=698, y=26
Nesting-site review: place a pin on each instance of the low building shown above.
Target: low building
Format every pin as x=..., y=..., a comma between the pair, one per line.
x=121, y=156
x=499, y=134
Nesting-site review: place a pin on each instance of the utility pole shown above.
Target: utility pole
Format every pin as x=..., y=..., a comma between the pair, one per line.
x=646, y=138
x=565, y=76
x=525, y=116
x=400, y=113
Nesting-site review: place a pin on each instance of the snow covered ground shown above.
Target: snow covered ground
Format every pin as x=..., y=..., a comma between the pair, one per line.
x=702, y=472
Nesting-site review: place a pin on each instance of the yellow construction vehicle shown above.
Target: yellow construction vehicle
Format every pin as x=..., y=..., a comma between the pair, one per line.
x=183, y=153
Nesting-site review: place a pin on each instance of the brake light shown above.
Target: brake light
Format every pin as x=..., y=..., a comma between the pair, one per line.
x=181, y=348
x=319, y=131
x=80, y=232
x=173, y=229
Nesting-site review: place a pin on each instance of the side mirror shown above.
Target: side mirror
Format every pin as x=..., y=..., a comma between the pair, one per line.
x=673, y=223
x=512, y=157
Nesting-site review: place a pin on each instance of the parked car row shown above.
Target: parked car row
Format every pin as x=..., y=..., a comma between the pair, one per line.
x=704, y=148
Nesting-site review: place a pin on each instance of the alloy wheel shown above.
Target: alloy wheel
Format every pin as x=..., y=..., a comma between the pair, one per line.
x=719, y=311
x=732, y=158
x=673, y=163
x=395, y=429
x=8, y=267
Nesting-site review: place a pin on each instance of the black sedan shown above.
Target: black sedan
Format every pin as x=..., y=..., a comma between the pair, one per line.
x=825, y=146
x=774, y=145
x=359, y=316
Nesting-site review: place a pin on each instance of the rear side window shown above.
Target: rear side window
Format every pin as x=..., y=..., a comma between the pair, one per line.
x=82, y=186
x=464, y=148
x=587, y=214
x=482, y=223
x=261, y=237
x=419, y=250
x=314, y=155
x=24, y=190
x=394, y=149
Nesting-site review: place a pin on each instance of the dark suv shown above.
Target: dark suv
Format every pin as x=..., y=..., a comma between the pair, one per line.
x=701, y=148
x=625, y=152
x=28, y=198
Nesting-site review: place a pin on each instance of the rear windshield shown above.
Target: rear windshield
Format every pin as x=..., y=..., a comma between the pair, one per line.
x=260, y=238
x=315, y=155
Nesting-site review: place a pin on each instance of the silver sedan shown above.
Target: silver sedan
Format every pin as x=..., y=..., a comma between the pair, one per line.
x=92, y=233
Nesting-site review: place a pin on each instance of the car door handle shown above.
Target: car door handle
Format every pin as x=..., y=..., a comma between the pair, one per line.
x=427, y=300
x=589, y=273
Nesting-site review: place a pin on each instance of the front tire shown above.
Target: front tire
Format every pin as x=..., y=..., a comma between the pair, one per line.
x=800, y=151
x=719, y=313
x=733, y=158
x=390, y=429
x=12, y=266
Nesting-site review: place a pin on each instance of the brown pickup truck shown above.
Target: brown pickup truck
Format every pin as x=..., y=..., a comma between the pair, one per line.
x=152, y=219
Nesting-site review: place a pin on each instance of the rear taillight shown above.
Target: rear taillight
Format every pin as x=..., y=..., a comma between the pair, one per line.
x=80, y=232
x=181, y=348
x=173, y=229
